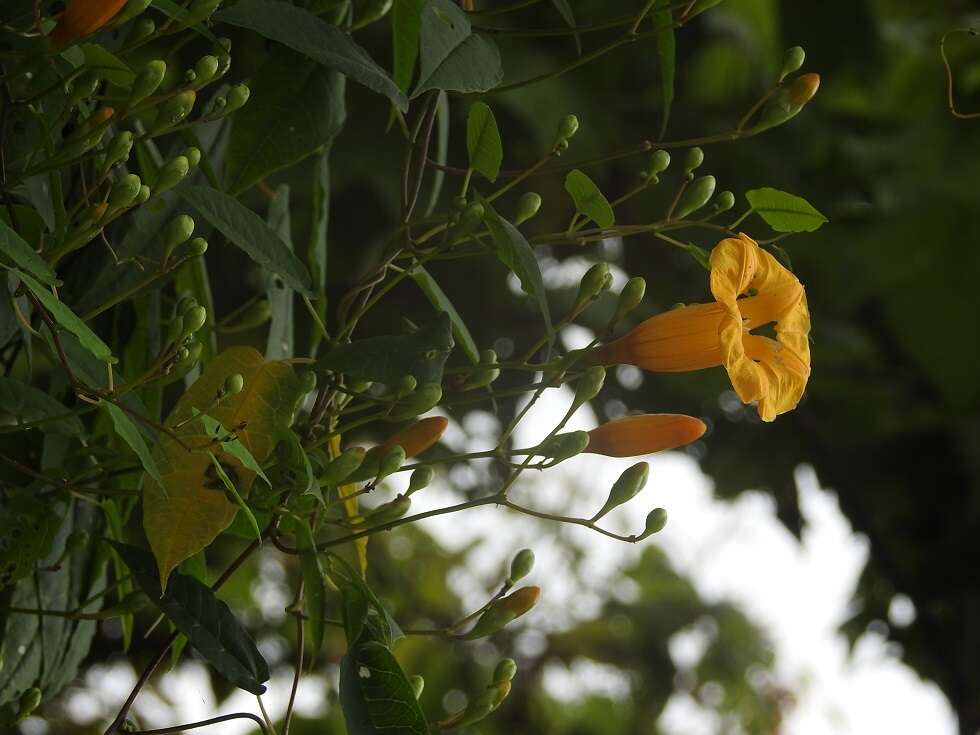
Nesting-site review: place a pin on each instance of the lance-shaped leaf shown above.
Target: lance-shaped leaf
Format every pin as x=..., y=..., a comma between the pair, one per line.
x=189, y=509
x=304, y=32
x=28, y=404
x=375, y=694
x=453, y=57
x=389, y=359
x=363, y=615
x=589, y=200
x=206, y=621
x=406, y=18
x=246, y=229
x=281, y=340
x=19, y=253
x=128, y=432
x=441, y=301
x=483, y=144
x=785, y=212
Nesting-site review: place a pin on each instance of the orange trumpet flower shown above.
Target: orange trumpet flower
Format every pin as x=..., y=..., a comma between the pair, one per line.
x=82, y=18
x=633, y=436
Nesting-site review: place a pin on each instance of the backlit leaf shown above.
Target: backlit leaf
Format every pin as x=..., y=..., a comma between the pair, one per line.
x=483, y=141
x=589, y=200
x=785, y=212
x=453, y=57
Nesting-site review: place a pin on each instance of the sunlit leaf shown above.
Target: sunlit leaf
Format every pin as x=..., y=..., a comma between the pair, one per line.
x=589, y=200
x=785, y=212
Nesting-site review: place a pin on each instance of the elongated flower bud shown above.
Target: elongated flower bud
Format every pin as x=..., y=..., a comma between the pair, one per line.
x=723, y=202
x=589, y=385
x=82, y=18
x=173, y=111
x=172, y=174
x=417, y=683
x=390, y=511
x=803, y=88
x=205, y=69
x=521, y=565
x=527, y=207
x=656, y=520
x=390, y=462
x=634, y=436
x=118, y=149
x=596, y=280
x=194, y=319
x=659, y=162
x=503, y=611
x=423, y=399
x=236, y=98
x=563, y=446
x=625, y=488
x=133, y=8
x=506, y=670
x=629, y=298
x=421, y=477
x=566, y=131
x=788, y=103
x=416, y=438
x=147, y=81
x=481, y=707
x=342, y=467
x=142, y=29
x=695, y=196
x=178, y=232
x=123, y=192
x=693, y=160
x=29, y=701
x=792, y=61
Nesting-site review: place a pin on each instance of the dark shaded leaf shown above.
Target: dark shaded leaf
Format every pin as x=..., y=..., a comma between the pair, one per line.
x=666, y=53
x=27, y=531
x=27, y=403
x=453, y=57
x=375, y=694
x=406, y=19
x=438, y=297
x=128, y=432
x=19, y=253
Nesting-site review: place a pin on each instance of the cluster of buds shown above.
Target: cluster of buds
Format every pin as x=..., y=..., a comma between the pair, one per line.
x=488, y=701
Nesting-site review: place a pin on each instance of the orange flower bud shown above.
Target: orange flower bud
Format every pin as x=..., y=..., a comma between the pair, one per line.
x=802, y=89
x=83, y=17
x=520, y=601
x=632, y=436
x=417, y=437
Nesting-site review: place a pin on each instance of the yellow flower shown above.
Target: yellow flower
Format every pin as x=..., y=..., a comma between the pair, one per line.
x=83, y=17
x=751, y=289
x=633, y=436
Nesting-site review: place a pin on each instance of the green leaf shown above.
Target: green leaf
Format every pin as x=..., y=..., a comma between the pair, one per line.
x=68, y=319
x=438, y=297
x=233, y=491
x=589, y=201
x=375, y=694
x=316, y=247
x=514, y=252
x=231, y=444
x=27, y=403
x=453, y=57
x=785, y=212
x=667, y=53
x=304, y=32
x=27, y=531
x=364, y=617
x=389, y=359
x=565, y=11
x=175, y=11
x=281, y=340
x=406, y=19
x=206, y=621
x=298, y=462
x=107, y=65
x=295, y=107
x=23, y=256
x=314, y=585
x=128, y=432
x=483, y=141
x=246, y=229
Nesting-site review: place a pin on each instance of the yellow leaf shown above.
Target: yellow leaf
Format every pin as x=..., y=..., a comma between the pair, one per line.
x=350, y=507
x=191, y=509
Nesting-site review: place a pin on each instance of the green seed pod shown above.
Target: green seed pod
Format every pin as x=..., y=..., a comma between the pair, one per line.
x=421, y=477
x=178, y=232
x=205, y=69
x=792, y=61
x=254, y=316
x=625, y=488
x=193, y=156
x=693, y=161
x=118, y=149
x=194, y=319
x=520, y=566
x=172, y=174
x=197, y=246
x=147, y=81
x=123, y=192
x=506, y=670
x=659, y=162
x=695, y=196
x=589, y=385
x=656, y=520
x=596, y=280
x=391, y=461
x=629, y=298
x=502, y=611
x=142, y=29
x=723, y=202
x=233, y=384
x=527, y=207
x=130, y=11
x=563, y=446
x=566, y=129
x=390, y=511
x=237, y=97
x=417, y=683
x=426, y=397
x=29, y=701
x=172, y=111
x=341, y=467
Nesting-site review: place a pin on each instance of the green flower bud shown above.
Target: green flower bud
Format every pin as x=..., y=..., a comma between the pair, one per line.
x=502, y=611
x=237, y=97
x=356, y=385
x=390, y=511
x=193, y=156
x=405, y=386
x=82, y=88
x=596, y=280
x=426, y=397
x=459, y=202
x=233, y=384
x=659, y=161
x=481, y=378
x=566, y=129
x=421, y=477
x=527, y=207
x=695, y=196
x=199, y=10
x=182, y=354
x=417, y=683
x=142, y=196
x=723, y=202
x=176, y=331
x=197, y=246
x=205, y=68
x=629, y=298
x=255, y=315
x=625, y=488
x=142, y=29
x=29, y=701
x=185, y=303
x=118, y=149
x=480, y=707
x=190, y=76
x=589, y=385
x=563, y=446
x=391, y=461
x=307, y=381
x=147, y=81
x=194, y=319
x=130, y=11
x=520, y=566
x=792, y=61
x=341, y=467
x=693, y=160
x=506, y=670
x=172, y=174
x=173, y=110
x=656, y=520
x=178, y=232
x=194, y=350
x=123, y=192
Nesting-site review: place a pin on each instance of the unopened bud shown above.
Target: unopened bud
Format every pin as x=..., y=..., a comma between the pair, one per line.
x=123, y=192
x=200, y=10
x=194, y=319
x=629, y=298
x=205, y=68
x=172, y=174
x=178, y=232
x=521, y=565
x=147, y=81
x=390, y=462
x=589, y=385
x=506, y=670
x=193, y=156
x=390, y=511
x=563, y=446
x=83, y=88
x=792, y=61
x=502, y=611
x=194, y=350
x=659, y=162
x=656, y=520
x=173, y=111
x=233, y=384
x=405, y=386
x=693, y=161
x=802, y=89
x=417, y=683
x=143, y=196
x=481, y=378
x=197, y=246
x=527, y=207
x=142, y=29
x=423, y=399
x=695, y=196
x=130, y=11
x=625, y=488
x=236, y=98
x=341, y=467
x=421, y=477
x=596, y=280
x=118, y=149
x=29, y=701
x=566, y=129
x=723, y=202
